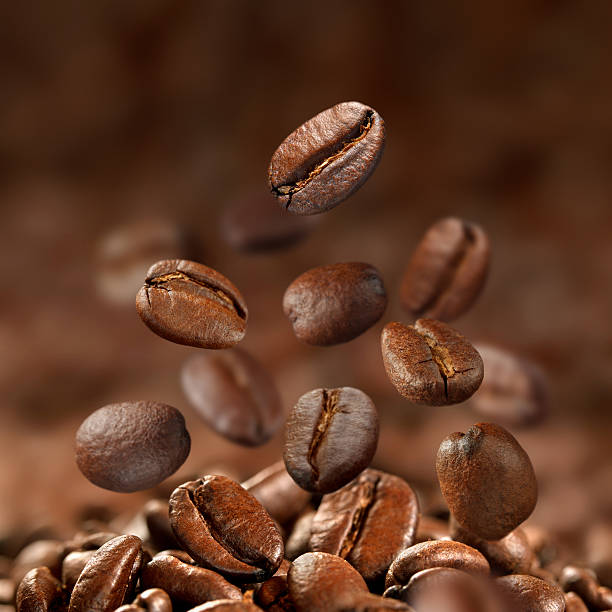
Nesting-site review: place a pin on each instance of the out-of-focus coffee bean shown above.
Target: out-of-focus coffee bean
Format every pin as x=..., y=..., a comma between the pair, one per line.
x=39, y=591
x=374, y=603
x=530, y=594
x=487, y=480
x=430, y=362
x=298, y=541
x=335, y=303
x=327, y=158
x=541, y=541
x=73, y=565
x=584, y=583
x=431, y=528
x=573, y=603
x=447, y=271
x=234, y=394
x=330, y=436
x=189, y=303
x=42, y=553
x=8, y=588
x=91, y=541
x=157, y=519
x=598, y=551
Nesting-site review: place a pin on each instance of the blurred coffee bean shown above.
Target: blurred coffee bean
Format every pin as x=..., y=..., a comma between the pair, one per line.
x=39, y=591
x=368, y=522
x=8, y=588
x=447, y=270
x=298, y=542
x=530, y=594
x=327, y=158
x=598, y=551
x=330, y=436
x=487, y=480
x=431, y=528
x=157, y=519
x=47, y=553
x=91, y=541
x=132, y=446
x=584, y=583
x=374, y=603
x=335, y=303
x=573, y=603
x=430, y=362
x=189, y=303
x=541, y=541
x=73, y=565
x=234, y=394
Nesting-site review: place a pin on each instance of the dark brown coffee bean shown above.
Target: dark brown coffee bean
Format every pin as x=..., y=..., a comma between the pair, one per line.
x=42, y=553
x=530, y=594
x=273, y=595
x=39, y=591
x=584, y=583
x=447, y=270
x=110, y=576
x=189, y=303
x=132, y=446
x=330, y=436
x=430, y=362
x=181, y=555
x=224, y=528
x=234, y=394
x=154, y=600
x=277, y=492
x=130, y=608
x=435, y=553
x=298, y=542
x=157, y=519
x=573, y=603
x=186, y=583
x=73, y=565
x=226, y=606
x=327, y=158
x=367, y=522
x=487, y=480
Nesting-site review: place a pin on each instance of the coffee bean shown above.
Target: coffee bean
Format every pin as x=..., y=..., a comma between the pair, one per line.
x=435, y=553
x=234, y=394
x=447, y=270
x=8, y=588
x=487, y=480
x=132, y=446
x=224, y=528
x=154, y=600
x=431, y=528
x=42, y=553
x=224, y=605
x=367, y=522
x=584, y=583
x=73, y=565
x=331, y=436
x=273, y=595
x=327, y=158
x=189, y=303
x=542, y=542
x=374, y=603
x=298, y=541
x=573, y=603
x=430, y=362
x=530, y=594
x=110, y=576
x=39, y=591
x=155, y=513
x=335, y=303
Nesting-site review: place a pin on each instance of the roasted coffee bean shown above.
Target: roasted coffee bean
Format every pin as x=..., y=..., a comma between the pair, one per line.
x=335, y=303
x=320, y=582
x=157, y=519
x=542, y=542
x=224, y=605
x=487, y=480
x=39, y=591
x=154, y=600
x=298, y=541
x=73, y=565
x=598, y=551
x=374, y=603
x=435, y=553
x=277, y=492
x=189, y=303
x=573, y=603
x=330, y=436
x=585, y=584
x=42, y=553
x=273, y=595
x=430, y=362
x=447, y=270
x=224, y=528
x=91, y=541
x=183, y=556
x=327, y=158
x=513, y=391
x=367, y=522
x=186, y=583
x=132, y=446
x=234, y=394
x=530, y=594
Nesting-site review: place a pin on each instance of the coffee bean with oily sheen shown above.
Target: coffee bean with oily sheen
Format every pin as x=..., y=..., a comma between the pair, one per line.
x=110, y=576
x=487, y=480
x=430, y=362
x=73, y=565
x=530, y=594
x=39, y=591
x=155, y=514
x=224, y=528
x=335, y=303
x=225, y=605
x=152, y=600
x=368, y=522
x=189, y=303
x=584, y=582
x=330, y=436
x=234, y=394
x=327, y=158
x=447, y=270
x=573, y=603
x=132, y=446
x=436, y=553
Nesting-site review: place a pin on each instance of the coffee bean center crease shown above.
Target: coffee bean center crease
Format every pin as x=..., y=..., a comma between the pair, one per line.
x=328, y=410
x=366, y=501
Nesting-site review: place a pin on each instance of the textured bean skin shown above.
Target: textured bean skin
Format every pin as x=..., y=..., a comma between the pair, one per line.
x=530, y=594
x=39, y=591
x=335, y=303
x=327, y=158
x=189, y=303
x=132, y=446
x=367, y=522
x=487, y=480
x=430, y=362
x=330, y=436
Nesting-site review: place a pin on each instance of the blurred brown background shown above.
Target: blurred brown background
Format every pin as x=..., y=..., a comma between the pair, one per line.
x=116, y=112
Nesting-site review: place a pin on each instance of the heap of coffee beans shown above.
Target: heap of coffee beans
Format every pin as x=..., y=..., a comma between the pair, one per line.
x=319, y=531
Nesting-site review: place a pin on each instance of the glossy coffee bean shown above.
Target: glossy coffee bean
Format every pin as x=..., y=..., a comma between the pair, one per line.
x=155, y=514
x=132, y=446
x=436, y=553
x=224, y=528
x=298, y=542
x=41, y=553
x=430, y=362
x=273, y=595
x=447, y=270
x=330, y=436
x=584, y=583
x=224, y=605
x=530, y=594
x=234, y=394
x=110, y=576
x=335, y=303
x=189, y=303
x=153, y=600
x=368, y=522
x=39, y=591
x=73, y=565
x=327, y=158
x=573, y=603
